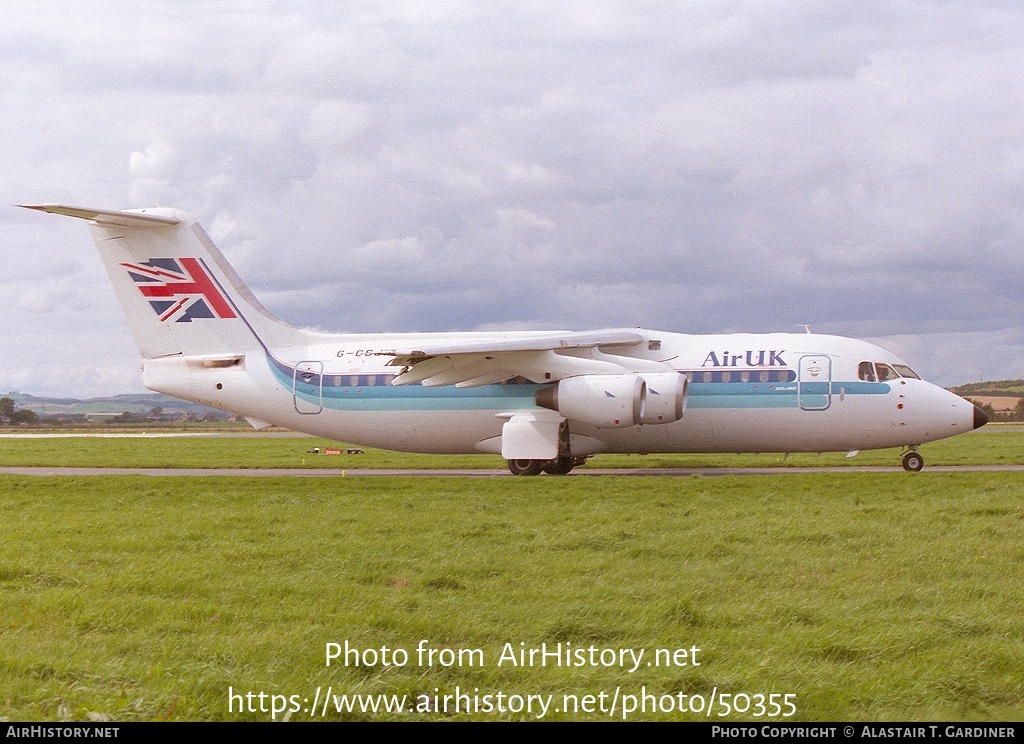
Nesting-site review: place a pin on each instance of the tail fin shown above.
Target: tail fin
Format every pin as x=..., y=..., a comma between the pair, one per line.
x=178, y=292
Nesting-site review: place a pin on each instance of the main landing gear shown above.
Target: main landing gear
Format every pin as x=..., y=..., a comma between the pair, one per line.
x=912, y=461
x=558, y=466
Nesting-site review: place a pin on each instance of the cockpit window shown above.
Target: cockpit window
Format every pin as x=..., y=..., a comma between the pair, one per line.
x=885, y=372
x=906, y=371
x=878, y=372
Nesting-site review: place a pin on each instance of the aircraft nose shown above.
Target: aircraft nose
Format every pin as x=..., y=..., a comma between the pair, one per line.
x=980, y=417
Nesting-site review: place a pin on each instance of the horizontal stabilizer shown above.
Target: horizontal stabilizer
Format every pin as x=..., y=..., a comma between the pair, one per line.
x=136, y=218
x=179, y=294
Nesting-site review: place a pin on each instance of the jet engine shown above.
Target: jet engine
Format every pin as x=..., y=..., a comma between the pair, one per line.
x=604, y=401
x=666, y=397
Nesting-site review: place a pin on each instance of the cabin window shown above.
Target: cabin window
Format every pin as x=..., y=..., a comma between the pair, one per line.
x=866, y=372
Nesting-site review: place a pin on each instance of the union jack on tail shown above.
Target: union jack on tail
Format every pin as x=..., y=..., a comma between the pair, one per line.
x=179, y=289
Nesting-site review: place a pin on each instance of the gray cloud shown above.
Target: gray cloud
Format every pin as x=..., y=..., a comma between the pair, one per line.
x=704, y=168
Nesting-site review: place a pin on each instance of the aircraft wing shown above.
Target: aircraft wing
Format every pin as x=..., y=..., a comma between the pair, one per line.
x=539, y=357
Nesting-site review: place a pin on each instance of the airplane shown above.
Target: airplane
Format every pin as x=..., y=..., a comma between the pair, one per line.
x=545, y=401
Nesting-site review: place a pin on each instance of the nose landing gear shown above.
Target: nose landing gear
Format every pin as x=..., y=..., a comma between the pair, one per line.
x=912, y=461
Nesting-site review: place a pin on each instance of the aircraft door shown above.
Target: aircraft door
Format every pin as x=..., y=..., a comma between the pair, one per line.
x=814, y=383
x=307, y=387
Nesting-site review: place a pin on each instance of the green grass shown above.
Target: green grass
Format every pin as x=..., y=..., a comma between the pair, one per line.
x=992, y=445
x=216, y=452
x=868, y=596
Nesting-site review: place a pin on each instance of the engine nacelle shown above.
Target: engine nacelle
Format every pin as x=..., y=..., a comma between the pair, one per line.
x=666, y=397
x=604, y=401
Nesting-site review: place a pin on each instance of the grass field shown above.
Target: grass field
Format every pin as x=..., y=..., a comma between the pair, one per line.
x=991, y=445
x=865, y=596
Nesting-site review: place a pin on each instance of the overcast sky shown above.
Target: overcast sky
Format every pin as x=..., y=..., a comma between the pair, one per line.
x=421, y=166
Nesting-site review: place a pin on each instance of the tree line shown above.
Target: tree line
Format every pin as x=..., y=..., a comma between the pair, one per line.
x=11, y=417
x=1017, y=414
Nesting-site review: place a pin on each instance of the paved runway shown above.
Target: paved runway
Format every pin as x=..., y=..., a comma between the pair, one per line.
x=486, y=473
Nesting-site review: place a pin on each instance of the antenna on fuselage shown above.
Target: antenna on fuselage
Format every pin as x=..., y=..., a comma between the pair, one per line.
x=807, y=327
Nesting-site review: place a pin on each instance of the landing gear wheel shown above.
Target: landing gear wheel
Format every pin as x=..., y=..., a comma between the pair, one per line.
x=561, y=466
x=525, y=467
x=913, y=462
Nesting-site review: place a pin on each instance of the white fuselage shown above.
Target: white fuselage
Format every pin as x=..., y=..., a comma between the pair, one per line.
x=746, y=393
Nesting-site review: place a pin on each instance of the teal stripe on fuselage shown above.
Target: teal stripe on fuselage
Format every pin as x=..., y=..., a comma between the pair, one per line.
x=735, y=399
x=419, y=398
x=861, y=388
x=408, y=397
x=724, y=395
x=701, y=395
x=741, y=395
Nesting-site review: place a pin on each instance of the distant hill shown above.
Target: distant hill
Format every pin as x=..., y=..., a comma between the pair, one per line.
x=998, y=388
x=1001, y=399
x=137, y=404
